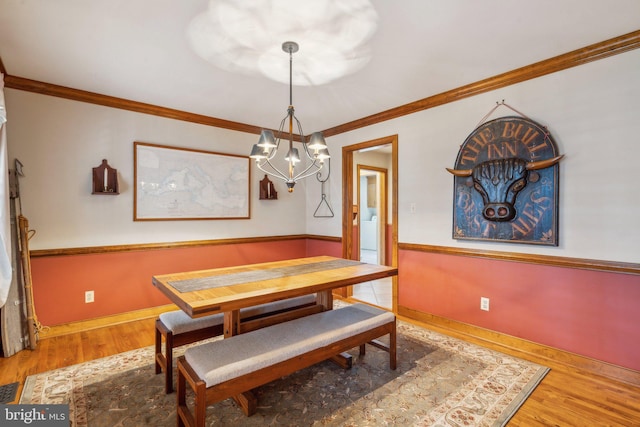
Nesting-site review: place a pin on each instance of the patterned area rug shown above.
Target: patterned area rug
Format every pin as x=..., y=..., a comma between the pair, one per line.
x=440, y=381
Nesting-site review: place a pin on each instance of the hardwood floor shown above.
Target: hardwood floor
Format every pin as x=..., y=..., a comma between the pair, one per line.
x=70, y=349
x=565, y=397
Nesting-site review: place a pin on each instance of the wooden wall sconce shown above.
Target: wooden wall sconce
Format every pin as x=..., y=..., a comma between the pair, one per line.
x=267, y=190
x=105, y=179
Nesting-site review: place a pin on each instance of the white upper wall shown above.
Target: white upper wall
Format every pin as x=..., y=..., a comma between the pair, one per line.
x=59, y=142
x=593, y=114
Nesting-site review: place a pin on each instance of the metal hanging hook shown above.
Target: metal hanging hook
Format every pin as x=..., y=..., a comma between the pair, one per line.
x=323, y=199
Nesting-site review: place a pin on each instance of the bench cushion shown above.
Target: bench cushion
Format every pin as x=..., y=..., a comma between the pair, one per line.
x=179, y=322
x=283, y=304
x=219, y=361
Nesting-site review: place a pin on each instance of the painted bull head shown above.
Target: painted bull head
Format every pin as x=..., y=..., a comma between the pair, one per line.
x=499, y=181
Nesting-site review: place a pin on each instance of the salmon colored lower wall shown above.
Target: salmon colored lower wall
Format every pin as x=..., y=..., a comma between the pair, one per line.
x=324, y=247
x=121, y=281
x=591, y=313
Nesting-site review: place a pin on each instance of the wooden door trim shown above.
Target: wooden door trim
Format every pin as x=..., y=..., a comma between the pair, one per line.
x=347, y=201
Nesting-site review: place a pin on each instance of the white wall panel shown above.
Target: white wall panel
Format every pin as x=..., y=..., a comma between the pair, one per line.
x=59, y=142
x=593, y=113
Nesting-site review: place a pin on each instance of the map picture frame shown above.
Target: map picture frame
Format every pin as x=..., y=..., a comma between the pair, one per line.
x=176, y=183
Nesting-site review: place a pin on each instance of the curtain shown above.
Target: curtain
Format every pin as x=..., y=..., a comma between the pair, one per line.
x=5, y=230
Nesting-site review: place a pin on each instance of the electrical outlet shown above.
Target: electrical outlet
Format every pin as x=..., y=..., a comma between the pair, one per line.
x=88, y=296
x=484, y=303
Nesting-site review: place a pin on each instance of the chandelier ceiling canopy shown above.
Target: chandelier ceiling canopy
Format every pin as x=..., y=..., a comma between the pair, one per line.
x=245, y=36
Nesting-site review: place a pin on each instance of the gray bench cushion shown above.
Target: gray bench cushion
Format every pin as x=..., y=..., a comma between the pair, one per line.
x=276, y=305
x=179, y=322
x=219, y=361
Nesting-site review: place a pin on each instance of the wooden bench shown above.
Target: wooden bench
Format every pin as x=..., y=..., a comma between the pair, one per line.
x=177, y=328
x=227, y=368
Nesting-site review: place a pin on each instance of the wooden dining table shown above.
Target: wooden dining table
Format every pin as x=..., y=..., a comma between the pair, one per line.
x=229, y=289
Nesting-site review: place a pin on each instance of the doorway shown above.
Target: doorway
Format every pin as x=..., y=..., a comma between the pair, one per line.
x=370, y=192
x=372, y=207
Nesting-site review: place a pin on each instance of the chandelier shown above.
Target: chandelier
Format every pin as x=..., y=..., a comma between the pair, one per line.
x=315, y=150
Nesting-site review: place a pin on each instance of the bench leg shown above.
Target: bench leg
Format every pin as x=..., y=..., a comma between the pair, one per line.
x=168, y=354
x=247, y=402
x=158, y=350
x=392, y=348
x=184, y=415
x=182, y=400
x=201, y=404
x=164, y=361
x=344, y=360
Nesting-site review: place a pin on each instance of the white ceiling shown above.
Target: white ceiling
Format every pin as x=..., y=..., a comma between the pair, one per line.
x=138, y=50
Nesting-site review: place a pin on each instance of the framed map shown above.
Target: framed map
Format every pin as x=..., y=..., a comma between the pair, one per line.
x=185, y=184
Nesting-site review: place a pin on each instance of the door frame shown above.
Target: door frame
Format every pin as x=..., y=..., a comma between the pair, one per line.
x=348, y=199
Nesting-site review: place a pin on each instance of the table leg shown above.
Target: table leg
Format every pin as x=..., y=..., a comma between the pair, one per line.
x=231, y=323
x=325, y=298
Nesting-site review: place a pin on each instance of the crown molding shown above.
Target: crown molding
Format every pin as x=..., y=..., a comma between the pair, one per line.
x=43, y=88
x=594, y=52
x=571, y=59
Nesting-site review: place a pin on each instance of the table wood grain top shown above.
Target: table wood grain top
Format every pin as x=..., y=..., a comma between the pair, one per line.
x=296, y=282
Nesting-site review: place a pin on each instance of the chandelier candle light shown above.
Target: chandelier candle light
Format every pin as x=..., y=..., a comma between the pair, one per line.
x=265, y=150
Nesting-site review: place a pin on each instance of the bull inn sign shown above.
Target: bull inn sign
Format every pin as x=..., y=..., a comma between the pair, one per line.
x=506, y=184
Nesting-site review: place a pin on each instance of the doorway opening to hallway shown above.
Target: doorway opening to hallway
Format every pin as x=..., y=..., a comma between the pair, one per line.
x=370, y=215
